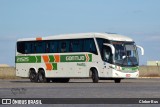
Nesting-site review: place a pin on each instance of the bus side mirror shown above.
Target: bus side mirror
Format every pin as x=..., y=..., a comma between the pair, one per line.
x=111, y=46
x=142, y=50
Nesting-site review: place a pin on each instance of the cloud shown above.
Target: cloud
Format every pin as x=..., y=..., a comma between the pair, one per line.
x=137, y=11
x=146, y=37
x=152, y=39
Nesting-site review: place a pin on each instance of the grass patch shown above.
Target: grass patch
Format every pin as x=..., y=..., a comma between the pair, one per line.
x=9, y=77
x=151, y=75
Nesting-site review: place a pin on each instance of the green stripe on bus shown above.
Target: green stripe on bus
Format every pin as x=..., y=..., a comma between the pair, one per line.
x=63, y=58
x=90, y=57
x=38, y=59
x=51, y=57
x=129, y=69
x=54, y=66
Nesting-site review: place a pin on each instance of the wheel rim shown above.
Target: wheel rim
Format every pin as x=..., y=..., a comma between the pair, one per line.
x=40, y=77
x=32, y=76
x=93, y=76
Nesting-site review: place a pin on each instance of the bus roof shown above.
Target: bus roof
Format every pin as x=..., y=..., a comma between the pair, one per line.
x=114, y=37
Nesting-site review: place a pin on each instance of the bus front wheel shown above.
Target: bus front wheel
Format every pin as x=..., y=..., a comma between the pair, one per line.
x=95, y=76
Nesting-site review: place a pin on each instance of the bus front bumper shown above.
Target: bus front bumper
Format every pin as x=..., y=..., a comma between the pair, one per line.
x=122, y=74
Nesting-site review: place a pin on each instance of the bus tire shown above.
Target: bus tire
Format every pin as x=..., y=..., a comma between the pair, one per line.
x=95, y=76
x=41, y=77
x=33, y=75
x=117, y=80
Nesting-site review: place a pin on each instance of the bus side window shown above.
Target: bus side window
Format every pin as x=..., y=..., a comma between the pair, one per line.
x=35, y=47
x=32, y=49
x=26, y=48
x=52, y=47
x=89, y=46
x=75, y=45
x=21, y=47
x=86, y=45
x=93, y=47
x=38, y=47
x=107, y=54
x=63, y=47
x=47, y=47
x=41, y=46
x=70, y=45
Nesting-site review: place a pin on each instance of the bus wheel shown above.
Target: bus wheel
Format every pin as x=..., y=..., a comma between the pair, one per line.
x=33, y=76
x=118, y=80
x=41, y=76
x=95, y=76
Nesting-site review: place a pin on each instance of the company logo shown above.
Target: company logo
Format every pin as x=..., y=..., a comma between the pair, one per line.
x=6, y=101
x=23, y=59
x=72, y=58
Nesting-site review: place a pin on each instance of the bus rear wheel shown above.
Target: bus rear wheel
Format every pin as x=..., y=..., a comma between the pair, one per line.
x=95, y=76
x=117, y=80
x=42, y=78
x=33, y=76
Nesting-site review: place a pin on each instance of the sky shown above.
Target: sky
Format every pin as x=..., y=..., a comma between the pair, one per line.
x=138, y=19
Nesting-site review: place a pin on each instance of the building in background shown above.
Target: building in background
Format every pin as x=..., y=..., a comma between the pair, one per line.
x=153, y=63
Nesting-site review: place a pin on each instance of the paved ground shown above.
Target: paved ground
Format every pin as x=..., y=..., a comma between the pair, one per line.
x=82, y=88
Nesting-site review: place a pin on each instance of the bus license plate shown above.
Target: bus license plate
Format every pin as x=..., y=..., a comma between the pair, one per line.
x=128, y=75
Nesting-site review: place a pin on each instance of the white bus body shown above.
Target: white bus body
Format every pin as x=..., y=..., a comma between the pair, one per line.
x=59, y=58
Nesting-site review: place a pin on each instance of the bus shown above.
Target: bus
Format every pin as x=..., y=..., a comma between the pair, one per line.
x=99, y=56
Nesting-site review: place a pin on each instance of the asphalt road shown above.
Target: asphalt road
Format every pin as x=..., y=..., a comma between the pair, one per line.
x=82, y=88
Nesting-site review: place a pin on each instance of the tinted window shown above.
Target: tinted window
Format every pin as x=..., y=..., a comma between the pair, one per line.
x=76, y=45
x=53, y=46
x=40, y=47
x=64, y=46
x=21, y=47
x=57, y=46
x=100, y=42
x=89, y=46
x=107, y=54
x=28, y=47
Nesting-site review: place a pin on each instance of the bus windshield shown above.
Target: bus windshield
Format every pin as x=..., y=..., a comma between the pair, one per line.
x=125, y=54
